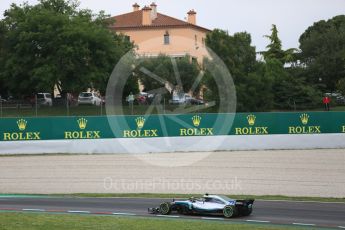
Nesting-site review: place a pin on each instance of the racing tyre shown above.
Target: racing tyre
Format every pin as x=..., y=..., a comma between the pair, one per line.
x=229, y=211
x=165, y=208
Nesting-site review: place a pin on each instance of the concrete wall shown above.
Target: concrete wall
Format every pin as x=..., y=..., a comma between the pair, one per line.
x=176, y=144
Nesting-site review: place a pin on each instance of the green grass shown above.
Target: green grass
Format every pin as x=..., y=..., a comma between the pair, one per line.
x=37, y=221
x=85, y=110
x=98, y=111
x=170, y=196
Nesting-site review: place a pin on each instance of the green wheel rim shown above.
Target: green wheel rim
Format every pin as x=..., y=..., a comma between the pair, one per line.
x=164, y=208
x=228, y=211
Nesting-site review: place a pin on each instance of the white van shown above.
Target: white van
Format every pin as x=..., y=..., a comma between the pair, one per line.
x=44, y=99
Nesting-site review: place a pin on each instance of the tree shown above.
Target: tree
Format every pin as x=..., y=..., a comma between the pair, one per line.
x=341, y=86
x=236, y=51
x=256, y=91
x=253, y=87
x=3, y=88
x=54, y=43
x=169, y=70
x=274, y=48
x=289, y=88
x=323, y=52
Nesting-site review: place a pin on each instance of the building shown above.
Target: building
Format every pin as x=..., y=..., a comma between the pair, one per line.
x=154, y=33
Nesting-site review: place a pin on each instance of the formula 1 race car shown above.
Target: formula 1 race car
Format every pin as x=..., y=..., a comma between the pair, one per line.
x=208, y=204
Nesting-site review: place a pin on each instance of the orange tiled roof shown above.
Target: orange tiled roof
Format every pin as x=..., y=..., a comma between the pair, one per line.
x=133, y=20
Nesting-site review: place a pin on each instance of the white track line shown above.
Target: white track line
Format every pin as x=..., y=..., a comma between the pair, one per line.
x=211, y=218
x=304, y=201
x=259, y=221
x=124, y=214
x=33, y=210
x=78, y=212
x=303, y=224
x=341, y=227
x=168, y=216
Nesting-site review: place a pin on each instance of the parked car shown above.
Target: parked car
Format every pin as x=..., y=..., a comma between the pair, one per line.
x=86, y=98
x=60, y=100
x=44, y=99
x=2, y=99
x=179, y=99
x=340, y=100
x=196, y=101
x=144, y=98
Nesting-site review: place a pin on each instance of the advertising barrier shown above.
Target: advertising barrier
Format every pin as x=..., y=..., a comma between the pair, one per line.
x=107, y=127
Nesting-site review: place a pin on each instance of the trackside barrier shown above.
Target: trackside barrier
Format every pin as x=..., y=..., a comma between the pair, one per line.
x=189, y=132
x=102, y=127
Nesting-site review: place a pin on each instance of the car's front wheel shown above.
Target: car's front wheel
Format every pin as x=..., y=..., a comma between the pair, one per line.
x=165, y=208
x=229, y=211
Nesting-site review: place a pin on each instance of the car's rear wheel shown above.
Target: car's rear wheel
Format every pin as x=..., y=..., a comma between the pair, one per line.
x=229, y=211
x=165, y=208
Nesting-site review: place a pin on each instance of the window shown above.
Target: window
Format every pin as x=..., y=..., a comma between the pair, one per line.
x=203, y=42
x=166, y=38
x=196, y=40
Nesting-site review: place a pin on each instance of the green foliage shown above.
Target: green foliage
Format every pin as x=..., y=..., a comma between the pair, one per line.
x=255, y=94
x=289, y=89
x=275, y=46
x=253, y=87
x=341, y=86
x=55, y=43
x=3, y=88
x=323, y=52
x=235, y=51
x=169, y=70
x=274, y=49
x=261, y=86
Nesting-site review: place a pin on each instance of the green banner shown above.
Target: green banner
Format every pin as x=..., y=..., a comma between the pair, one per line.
x=59, y=128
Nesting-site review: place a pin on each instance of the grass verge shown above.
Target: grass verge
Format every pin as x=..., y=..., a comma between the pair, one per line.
x=152, y=195
x=39, y=221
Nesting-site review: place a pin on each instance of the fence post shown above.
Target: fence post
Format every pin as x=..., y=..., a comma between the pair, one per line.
x=101, y=107
x=0, y=106
x=132, y=106
x=36, y=104
x=67, y=104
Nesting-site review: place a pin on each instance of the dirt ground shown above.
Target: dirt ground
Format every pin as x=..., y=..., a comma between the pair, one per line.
x=286, y=172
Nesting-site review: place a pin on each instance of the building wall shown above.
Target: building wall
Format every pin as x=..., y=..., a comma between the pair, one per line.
x=183, y=41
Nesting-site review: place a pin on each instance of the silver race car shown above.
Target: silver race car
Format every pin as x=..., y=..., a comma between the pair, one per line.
x=208, y=204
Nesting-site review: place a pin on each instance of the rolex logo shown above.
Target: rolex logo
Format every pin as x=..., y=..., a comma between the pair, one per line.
x=139, y=132
x=304, y=118
x=140, y=122
x=196, y=120
x=82, y=133
x=196, y=130
x=82, y=122
x=251, y=119
x=21, y=124
x=21, y=136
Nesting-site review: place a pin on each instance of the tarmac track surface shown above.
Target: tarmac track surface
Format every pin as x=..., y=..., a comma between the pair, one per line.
x=307, y=214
